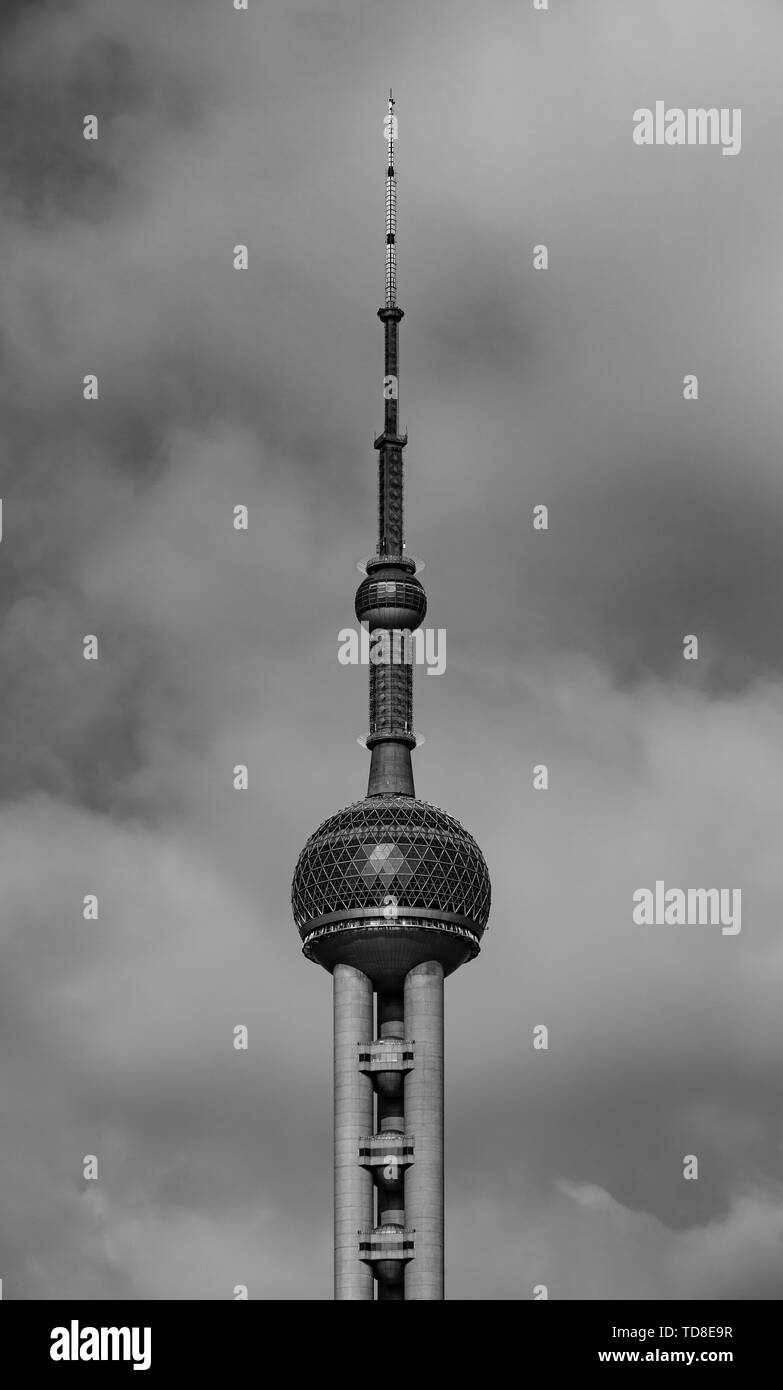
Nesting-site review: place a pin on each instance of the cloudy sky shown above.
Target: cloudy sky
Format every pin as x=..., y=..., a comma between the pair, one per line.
x=518, y=387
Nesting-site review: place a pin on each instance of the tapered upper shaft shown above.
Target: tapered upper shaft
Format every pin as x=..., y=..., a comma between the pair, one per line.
x=390, y=443
x=391, y=598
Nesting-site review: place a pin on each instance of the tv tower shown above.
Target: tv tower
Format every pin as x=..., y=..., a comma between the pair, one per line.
x=390, y=896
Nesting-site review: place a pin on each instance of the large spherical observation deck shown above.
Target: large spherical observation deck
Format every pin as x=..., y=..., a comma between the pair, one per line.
x=388, y=883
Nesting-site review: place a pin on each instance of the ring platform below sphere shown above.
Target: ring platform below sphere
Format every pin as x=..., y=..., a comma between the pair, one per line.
x=388, y=883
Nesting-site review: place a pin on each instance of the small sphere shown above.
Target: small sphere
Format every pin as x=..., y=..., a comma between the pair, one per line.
x=391, y=598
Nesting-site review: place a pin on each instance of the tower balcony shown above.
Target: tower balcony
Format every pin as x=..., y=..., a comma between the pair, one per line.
x=386, y=1246
x=387, y=1156
x=397, y=440
x=386, y=1062
x=384, y=1055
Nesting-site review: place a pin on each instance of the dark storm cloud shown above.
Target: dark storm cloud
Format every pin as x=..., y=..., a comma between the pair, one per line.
x=217, y=648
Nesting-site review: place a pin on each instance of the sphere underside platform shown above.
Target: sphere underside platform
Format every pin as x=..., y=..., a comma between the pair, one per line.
x=385, y=951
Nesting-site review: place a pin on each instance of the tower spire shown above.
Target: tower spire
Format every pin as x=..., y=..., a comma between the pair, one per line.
x=391, y=597
x=390, y=443
x=390, y=126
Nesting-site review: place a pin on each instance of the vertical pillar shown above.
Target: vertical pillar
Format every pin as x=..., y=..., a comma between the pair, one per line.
x=391, y=1198
x=353, y=1117
x=424, y=1120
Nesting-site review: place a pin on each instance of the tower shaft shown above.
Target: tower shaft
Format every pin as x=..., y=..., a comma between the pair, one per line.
x=390, y=895
x=424, y=1213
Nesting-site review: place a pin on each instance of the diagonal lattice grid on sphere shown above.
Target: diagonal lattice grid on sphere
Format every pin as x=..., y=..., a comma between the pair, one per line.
x=393, y=846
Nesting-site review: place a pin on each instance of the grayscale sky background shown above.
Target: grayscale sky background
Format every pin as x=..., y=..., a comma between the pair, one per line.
x=517, y=387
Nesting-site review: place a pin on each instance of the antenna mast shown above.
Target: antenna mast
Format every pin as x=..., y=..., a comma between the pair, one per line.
x=390, y=126
x=391, y=597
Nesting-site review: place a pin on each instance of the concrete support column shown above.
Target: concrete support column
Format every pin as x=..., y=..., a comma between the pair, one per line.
x=424, y=1120
x=353, y=1117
